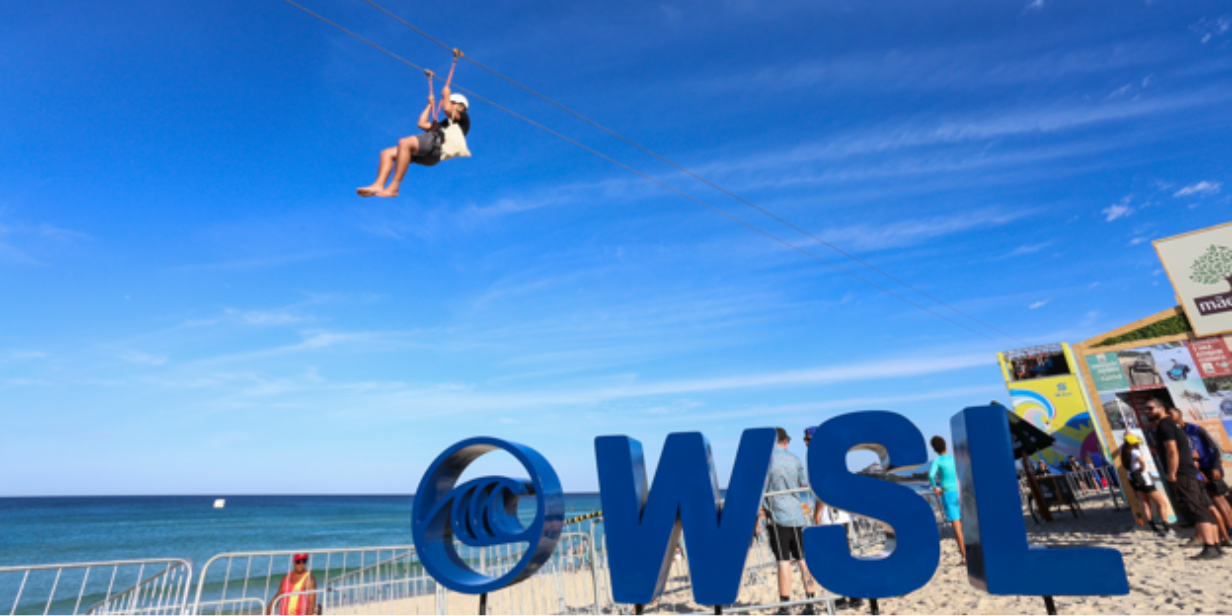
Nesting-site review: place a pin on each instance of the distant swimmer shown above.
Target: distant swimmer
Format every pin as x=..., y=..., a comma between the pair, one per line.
x=295, y=584
x=439, y=141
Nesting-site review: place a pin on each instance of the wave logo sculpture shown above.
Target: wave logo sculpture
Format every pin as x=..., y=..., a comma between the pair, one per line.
x=483, y=512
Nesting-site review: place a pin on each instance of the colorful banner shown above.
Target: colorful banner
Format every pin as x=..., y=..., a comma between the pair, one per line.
x=1107, y=373
x=1055, y=405
x=1212, y=356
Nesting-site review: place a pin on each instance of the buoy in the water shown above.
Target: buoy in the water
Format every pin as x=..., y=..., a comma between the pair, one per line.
x=219, y=503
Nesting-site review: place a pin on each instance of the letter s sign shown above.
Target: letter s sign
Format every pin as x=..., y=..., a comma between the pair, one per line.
x=915, y=553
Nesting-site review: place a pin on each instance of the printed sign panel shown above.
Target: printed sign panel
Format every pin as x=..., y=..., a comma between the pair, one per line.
x=1106, y=371
x=1139, y=368
x=1212, y=356
x=1200, y=267
x=1192, y=399
x=1173, y=362
x=1055, y=405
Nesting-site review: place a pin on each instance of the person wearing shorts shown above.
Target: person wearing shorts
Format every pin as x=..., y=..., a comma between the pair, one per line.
x=422, y=149
x=1153, y=502
x=1189, y=497
x=786, y=519
x=943, y=477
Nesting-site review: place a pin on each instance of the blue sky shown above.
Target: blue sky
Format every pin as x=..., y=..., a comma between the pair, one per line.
x=197, y=302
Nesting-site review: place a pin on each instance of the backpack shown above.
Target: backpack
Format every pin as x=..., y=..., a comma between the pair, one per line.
x=453, y=144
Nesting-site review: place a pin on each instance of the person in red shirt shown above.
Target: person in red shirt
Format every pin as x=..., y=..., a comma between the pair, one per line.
x=295, y=583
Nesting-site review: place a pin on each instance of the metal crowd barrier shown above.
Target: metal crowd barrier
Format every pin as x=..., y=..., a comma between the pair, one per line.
x=244, y=582
x=392, y=580
x=148, y=586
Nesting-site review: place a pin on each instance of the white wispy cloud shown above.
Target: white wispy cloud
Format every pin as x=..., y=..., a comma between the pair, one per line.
x=1027, y=249
x=19, y=355
x=1118, y=210
x=1208, y=28
x=1201, y=189
x=140, y=358
x=263, y=317
x=908, y=232
x=1039, y=304
x=448, y=398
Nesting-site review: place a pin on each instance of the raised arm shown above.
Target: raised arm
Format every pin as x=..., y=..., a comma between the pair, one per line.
x=425, y=118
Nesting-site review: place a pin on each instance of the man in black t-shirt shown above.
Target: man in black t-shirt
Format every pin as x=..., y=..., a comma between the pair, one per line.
x=1181, y=473
x=423, y=149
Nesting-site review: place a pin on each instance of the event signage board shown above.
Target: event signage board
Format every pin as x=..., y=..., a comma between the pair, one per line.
x=1212, y=356
x=1199, y=264
x=1057, y=407
x=1176, y=373
x=1106, y=372
x=644, y=523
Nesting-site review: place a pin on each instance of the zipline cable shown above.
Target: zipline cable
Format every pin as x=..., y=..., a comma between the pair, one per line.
x=690, y=173
x=649, y=177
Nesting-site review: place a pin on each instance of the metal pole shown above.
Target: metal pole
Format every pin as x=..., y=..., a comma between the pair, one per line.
x=483, y=604
x=1049, y=605
x=873, y=608
x=637, y=608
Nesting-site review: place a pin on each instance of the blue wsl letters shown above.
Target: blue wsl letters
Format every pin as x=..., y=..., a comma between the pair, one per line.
x=645, y=522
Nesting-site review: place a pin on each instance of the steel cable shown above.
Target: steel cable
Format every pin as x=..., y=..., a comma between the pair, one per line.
x=657, y=181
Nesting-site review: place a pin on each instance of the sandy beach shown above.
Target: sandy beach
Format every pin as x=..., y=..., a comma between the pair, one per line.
x=1162, y=579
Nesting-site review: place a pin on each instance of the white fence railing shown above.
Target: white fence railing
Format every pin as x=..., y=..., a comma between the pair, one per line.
x=149, y=586
x=391, y=579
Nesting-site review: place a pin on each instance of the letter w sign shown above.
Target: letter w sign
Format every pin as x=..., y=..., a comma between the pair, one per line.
x=643, y=527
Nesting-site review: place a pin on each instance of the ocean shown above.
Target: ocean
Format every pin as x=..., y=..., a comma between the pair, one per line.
x=77, y=529
x=42, y=531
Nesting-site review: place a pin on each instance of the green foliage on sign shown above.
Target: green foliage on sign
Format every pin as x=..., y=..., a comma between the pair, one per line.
x=1213, y=267
x=1170, y=326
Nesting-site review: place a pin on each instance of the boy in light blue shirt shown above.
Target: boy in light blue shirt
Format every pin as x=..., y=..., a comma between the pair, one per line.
x=944, y=479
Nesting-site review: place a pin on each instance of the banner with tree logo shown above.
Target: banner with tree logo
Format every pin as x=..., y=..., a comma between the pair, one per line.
x=1199, y=264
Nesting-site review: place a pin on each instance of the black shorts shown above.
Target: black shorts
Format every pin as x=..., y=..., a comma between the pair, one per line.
x=1192, y=501
x=429, y=149
x=1137, y=481
x=785, y=542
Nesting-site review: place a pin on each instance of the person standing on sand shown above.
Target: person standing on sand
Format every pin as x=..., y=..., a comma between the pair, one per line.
x=299, y=580
x=943, y=477
x=1191, y=500
x=1201, y=454
x=1148, y=494
x=786, y=522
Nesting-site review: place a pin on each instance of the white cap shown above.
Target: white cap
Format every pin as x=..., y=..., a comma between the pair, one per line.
x=458, y=99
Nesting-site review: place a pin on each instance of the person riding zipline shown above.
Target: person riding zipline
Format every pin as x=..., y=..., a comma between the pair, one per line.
x=439, y=141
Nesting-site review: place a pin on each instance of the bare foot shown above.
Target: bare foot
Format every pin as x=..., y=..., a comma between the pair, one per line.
x=368, y=191
x=387, y=193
